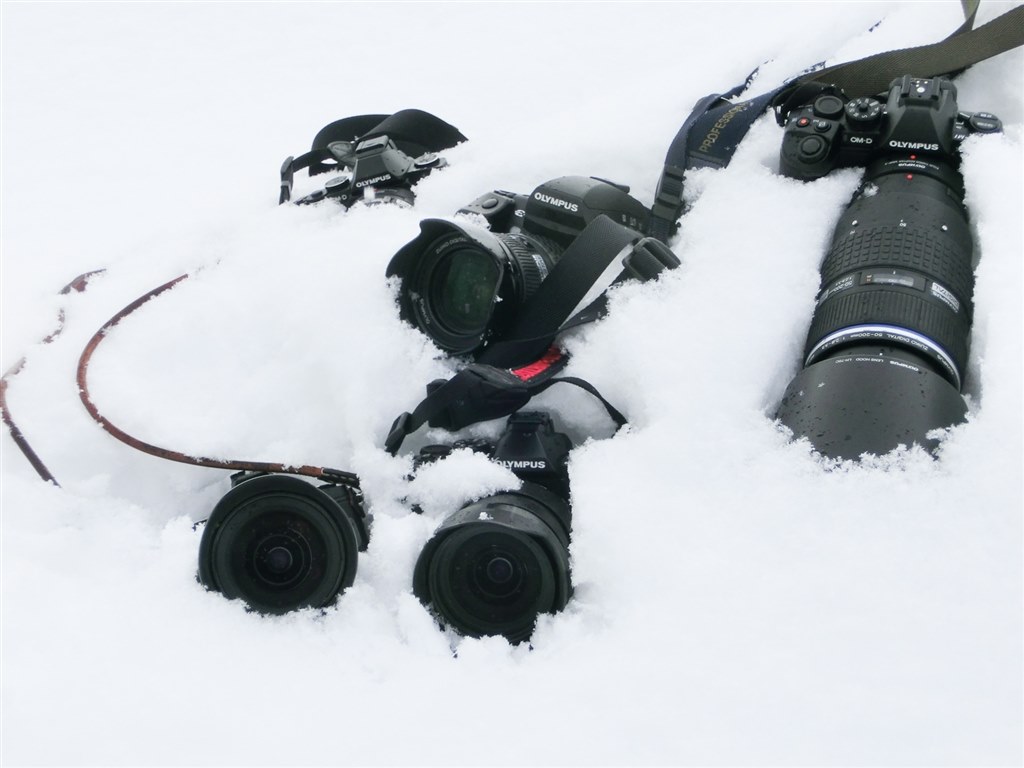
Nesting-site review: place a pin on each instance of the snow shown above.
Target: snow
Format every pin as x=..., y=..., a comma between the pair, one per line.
x=738, y=601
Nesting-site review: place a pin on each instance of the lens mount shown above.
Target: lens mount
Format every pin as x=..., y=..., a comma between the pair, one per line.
x=495, y=565
x=279, y=544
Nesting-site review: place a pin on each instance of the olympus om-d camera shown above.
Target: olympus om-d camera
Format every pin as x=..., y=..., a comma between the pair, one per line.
x=496, y=564
x=888, y=343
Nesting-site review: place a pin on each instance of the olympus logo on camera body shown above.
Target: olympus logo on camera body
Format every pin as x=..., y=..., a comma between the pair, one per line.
x=557, y=202
x=914, y=145
x=374, y=180
x=515, y=464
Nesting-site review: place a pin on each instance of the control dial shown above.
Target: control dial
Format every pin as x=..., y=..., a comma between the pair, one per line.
x=863, y=111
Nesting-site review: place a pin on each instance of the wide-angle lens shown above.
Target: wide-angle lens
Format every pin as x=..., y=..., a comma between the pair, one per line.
x=279, y=544
x=462, y=284
x=494, y=566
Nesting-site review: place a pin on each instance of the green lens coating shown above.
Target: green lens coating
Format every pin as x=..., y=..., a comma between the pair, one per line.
x=464, y=288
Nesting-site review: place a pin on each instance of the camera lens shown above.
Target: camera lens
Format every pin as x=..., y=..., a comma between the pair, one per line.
x=486, y=580
x=495, y=565
x=900, y=263
x=461, y=283
x=499, y=572
x=279, y=544
x=463, y=290
x=889, y=339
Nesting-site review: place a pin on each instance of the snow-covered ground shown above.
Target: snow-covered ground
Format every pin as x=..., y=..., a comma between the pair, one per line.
x=736, y=601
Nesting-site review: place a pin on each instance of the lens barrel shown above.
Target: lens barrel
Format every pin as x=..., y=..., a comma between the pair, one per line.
x=495, y=565
x=462, y=283
x=889, y=340
x=279, y=543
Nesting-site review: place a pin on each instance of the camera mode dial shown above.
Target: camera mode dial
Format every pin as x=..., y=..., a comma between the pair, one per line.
x=985, y=122
x=863, y=111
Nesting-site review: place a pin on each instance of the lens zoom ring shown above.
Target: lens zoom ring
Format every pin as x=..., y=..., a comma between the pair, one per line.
x=911, y=248
x=530, y=272
x=879, y=306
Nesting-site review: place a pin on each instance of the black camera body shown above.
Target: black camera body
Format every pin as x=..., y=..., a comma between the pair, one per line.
x=918, y=116
x=560, y=209
x=377, y=171
x=497, y=563
x=888, y=343
x=381, y=157
x=464, y=282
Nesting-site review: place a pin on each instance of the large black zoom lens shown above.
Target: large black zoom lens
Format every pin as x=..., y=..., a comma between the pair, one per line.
x=888, y=343
x=496, y=564
x=280, y=544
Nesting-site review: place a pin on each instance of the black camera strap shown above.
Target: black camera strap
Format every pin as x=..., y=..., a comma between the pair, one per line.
x=711, y=134
x=484, y=392
x=547, y=313
x=510, y=372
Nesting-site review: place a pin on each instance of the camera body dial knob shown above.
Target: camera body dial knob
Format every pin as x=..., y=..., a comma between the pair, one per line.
x=863, y=111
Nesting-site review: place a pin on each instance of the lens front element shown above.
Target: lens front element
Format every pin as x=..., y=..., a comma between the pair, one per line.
x=279, y=544
x=462, y=290
x=498, y=563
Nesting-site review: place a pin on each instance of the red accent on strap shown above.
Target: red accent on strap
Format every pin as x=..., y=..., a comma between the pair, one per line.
x=527, y=372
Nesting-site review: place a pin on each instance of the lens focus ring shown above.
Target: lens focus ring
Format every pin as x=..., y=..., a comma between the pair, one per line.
x=533, y=267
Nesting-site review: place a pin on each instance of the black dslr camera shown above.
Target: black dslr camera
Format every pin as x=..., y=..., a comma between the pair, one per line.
x=464, y=285
x=378, y=158
x=888, y=343
x=493, y=566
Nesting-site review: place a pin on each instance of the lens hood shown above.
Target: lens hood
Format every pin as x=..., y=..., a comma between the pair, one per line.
x=452, y=277
x=869, y=401
x=280, y=544
x=492, y=567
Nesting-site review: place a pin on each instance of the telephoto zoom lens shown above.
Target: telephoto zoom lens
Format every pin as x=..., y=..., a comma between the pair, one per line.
x=280, y=544
x=889, y=340
x=498, y=563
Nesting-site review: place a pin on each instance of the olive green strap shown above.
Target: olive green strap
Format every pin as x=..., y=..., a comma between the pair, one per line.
x=963, y=48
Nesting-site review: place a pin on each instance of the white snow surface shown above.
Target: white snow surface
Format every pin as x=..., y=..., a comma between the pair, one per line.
x=738, y=601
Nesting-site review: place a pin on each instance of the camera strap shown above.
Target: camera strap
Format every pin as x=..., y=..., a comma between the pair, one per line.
x=547, y=313
x=483, y=392
x=327, y=474
x=711, y=134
